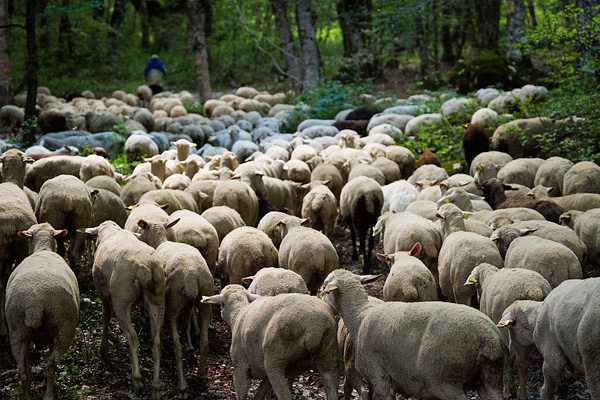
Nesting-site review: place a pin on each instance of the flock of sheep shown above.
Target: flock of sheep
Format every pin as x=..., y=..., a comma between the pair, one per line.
x=485, y=267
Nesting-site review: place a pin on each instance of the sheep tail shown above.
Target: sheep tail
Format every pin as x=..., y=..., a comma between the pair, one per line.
x=191, y=285
x=317, y=204
x=34, y=316
x=370, y=205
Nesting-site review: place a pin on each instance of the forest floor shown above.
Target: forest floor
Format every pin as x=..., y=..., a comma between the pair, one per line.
x=83, y=374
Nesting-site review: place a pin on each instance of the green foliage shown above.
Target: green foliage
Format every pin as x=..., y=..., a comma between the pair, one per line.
x=568, y=42
x=484, y=69
x=195, y=108
x=328, y=98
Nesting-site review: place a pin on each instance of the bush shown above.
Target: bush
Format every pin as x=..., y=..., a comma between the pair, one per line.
x=482, y=70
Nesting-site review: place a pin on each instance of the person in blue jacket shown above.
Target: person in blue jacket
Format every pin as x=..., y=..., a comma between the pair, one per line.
x=154, y=72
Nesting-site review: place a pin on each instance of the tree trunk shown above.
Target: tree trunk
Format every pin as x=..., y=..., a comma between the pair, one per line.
x=32, y=70
x=65, y=40
x=6, y=91
x=142, y=8
x=286, y=41
x=199, y=49
x=423, y=45
x=515, y=29
x=115, y=23
x=354, y=17
x=488, y=21
x=447, y=51
x=208, y=22
x=308, y=43
x=436, y=36
x=533, y=20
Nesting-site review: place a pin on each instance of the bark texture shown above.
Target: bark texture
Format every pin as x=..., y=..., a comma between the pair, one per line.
x=32, y=69
x=196, y=32
x=6, y=90
x=488, y=23
x=515, y=29
x=308, y=43
x=286, y=40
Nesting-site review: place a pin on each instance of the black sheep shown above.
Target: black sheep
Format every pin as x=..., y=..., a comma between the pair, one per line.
x=361, y=114
x=359, y=127
x=475, y=140
x=493, y=191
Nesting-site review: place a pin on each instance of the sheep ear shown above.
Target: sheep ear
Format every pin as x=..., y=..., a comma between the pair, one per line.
x=438, y=215
x=216, y=299
x=173, y=143
x=328, y=289
x=507, y=321
x=526, y=231
x=436, y=181
x=285, y=167
x=129, y=208
x=479, y=167
x=193, y=145
x=466, y=214
x=94, y=192
x=252, y=297
x=549, y=189
x=281, y=223
x=26, y=234
x=304, y=221
x=497, y=166
x=28, y=160
x=142, y=224
x=564, y=217
x=60, y=233
x=509, y=187
x=327, y=182
x=418, y=183
x=172, y=223
x=202, y=195
x=472, y=280
x=444, y=185
x=164, y=206
x=383, y=257
x=235, y=177
x=475, y=197
x=531, y=194
x=416, y=249
x=248, y=280
x=208, y=157
x=463, y=183
x=364, y=279
x=259, y=173
x=91, y=231
x=128, y=178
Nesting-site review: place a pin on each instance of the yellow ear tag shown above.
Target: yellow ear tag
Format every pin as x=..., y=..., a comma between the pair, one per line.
x=447, y=200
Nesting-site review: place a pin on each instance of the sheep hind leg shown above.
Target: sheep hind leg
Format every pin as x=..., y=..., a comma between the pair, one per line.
x=51, y=370
x=449, y=392
x=156, y=310
x=362, y=239
x=106, y=315
x=123, y=313
x=178, y=354
x=204, y=311
x=353, y=239
x=278, y=380
x=21, y=352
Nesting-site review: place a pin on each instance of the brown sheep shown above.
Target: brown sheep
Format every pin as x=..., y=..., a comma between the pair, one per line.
x=428, y=157
x=361, y=114
x=475, y=140
x=493, y=191
x=358, y=126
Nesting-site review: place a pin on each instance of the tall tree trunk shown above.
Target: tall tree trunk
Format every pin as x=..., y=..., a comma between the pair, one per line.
x=32, y=70
x=199, y=50
x=515, y=29
x=208, y=22
x=436, y=36
x=423, y=45
x=286, y=41
x=531, y=9
x=115, y=23
x=488, y=21
x=354, y=19
x=44, y=35
x=6, y=91
x=142, y=9
x=65, y=40
x=447, y=51
x=308, y=43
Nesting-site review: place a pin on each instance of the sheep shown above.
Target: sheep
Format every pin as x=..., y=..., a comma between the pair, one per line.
x=196, y=231
x=485, y=117
x=404, y=158
x=360, y=205
x=12, y=117
x=358, y=126
x=365, y=170
x=493, y=191
x=587, y=226
x=139, y=185
x=521, y=171
x=423, y=208
x=428, y=157
x=224, y=219
x=398, y=195
x=319, y=206
x=290, y=329
x=66, y=202
x=430, y=172
x=553, y=260
x=401, y=231
x=417, y=353
x=409, y=279
x=242, y=253
x=121, y=259
x=298, y=171
x=107, y=206
x=177, y=199
x=177, y=182
x=499, y=288
x=459, y=254
x=149, y=211
x=577, y=201
x=551, y=173
x=548, y=230
x=583, y=177
x=326, y=172
x=390, y=169
x=361, y=114
x=94, y=165
x=306, y=251
x=104, y=182
x=47, y=168
x=509, y=137
x=275, y=281
x=139, y=146
x=475, y=141
x=42, y=305
x=495, y=157
x=239, y=196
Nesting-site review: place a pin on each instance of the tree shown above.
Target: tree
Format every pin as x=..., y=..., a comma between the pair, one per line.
x=287, y=43
x=196, y=32
x=6, y=91
x=32, y=69
x=308, y=44
x=142, y=9
x=515, y=29
x=115, y=23
x=354, y=17
x=488, y=24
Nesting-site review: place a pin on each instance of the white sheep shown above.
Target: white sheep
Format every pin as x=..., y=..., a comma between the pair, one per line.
x=42, y=305
x=274, y=281
x=273, y=336
x=426, y=350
